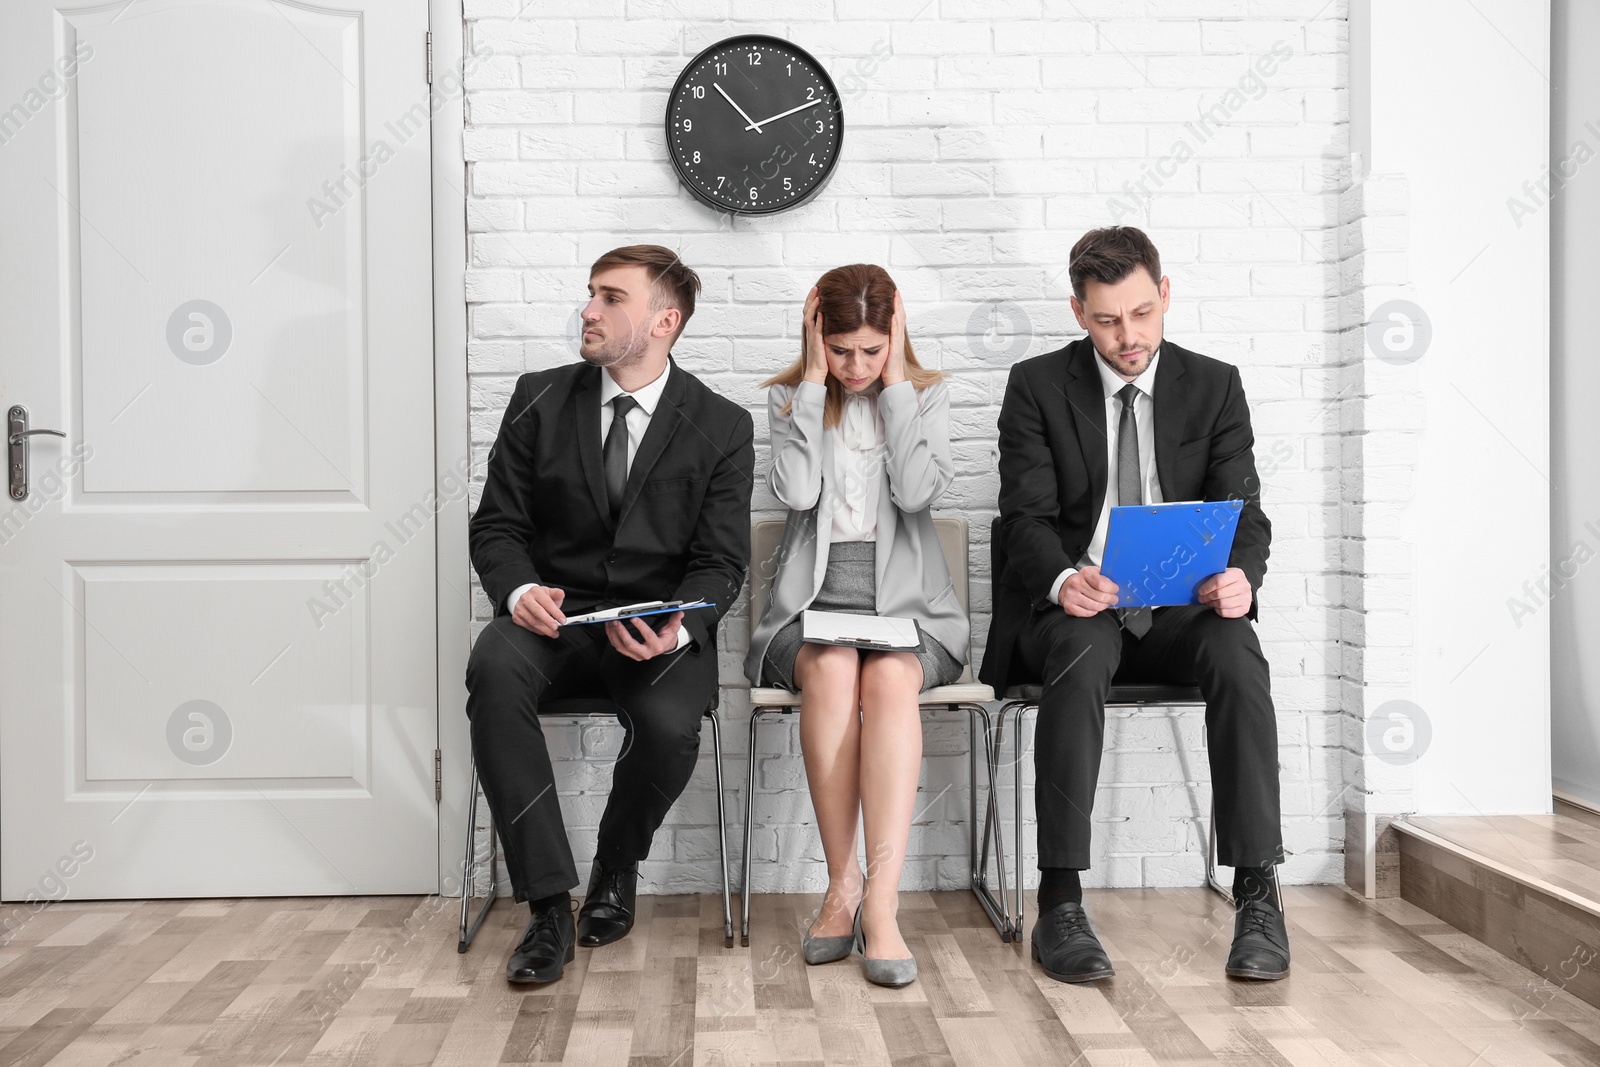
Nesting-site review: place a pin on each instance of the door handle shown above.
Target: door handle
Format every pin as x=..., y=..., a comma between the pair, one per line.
x=17, y=437
x=17, y=449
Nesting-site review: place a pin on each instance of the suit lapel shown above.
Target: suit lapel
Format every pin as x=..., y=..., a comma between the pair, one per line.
x=1172, y=414
x=587, y=404
x=827, y=503
x=1086, y=400
x=663, y=424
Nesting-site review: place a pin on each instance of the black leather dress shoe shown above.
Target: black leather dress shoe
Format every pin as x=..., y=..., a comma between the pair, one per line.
x=607, y=912
x=546, y=947
x=1066, y=947
x=1260, y=942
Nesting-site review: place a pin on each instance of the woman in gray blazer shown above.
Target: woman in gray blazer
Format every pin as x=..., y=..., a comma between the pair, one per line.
x=860, y=452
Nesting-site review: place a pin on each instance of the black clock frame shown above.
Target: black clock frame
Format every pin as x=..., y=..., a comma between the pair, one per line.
x=831, y=101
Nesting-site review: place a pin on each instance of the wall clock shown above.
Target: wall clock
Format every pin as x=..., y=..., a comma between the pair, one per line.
x=754, y=125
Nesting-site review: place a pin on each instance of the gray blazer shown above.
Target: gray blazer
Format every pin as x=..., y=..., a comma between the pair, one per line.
x=912, y=579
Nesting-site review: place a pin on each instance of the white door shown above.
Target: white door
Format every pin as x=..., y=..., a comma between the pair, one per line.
x=217, y=650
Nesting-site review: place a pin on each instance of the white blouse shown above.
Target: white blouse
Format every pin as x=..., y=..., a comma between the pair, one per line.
x=855, y=473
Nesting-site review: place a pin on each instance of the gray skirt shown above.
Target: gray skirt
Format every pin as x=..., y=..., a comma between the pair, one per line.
x=850, y=585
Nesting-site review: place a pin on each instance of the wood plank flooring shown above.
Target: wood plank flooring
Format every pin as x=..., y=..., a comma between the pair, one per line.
x=370, y=981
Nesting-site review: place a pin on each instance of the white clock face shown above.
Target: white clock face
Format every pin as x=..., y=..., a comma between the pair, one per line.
x=754, y=125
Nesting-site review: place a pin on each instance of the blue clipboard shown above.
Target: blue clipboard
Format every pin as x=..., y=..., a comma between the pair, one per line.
x=1159, y=553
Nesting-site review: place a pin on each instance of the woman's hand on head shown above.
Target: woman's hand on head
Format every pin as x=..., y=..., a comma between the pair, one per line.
x=811, y=333
x=894, y=367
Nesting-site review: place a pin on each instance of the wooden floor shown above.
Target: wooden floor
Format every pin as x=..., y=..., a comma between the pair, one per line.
x=378, y=981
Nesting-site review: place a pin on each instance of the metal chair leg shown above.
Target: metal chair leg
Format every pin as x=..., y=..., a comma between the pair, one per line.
x=1211, y=857
x=1020, y=710
x=749, y=813
x=722, y=830
x=972, y=800
x=469, y=930
x=978, y=857
x=993, y=752
x=1211, y=865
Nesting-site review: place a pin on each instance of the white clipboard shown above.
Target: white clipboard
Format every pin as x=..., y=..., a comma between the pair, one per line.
x=886, y=632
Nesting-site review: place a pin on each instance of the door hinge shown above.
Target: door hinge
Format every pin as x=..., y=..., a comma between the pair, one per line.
x=438, y=776
x=430, y=56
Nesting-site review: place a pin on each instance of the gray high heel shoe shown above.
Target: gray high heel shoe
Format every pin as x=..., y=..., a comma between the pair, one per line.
x=828, y=949
x=891, y=973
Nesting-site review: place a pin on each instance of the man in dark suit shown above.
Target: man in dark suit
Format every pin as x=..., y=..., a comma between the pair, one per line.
x=613, y=481
x=1124, y=416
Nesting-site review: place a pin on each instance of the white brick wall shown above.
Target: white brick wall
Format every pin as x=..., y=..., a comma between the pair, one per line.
x=982, y=140
x=1382, y=412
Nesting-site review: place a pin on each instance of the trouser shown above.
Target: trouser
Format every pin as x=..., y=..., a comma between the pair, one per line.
x=510, y=673
x=1079, y=658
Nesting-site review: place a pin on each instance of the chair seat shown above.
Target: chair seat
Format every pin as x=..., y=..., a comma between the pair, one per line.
x=958, y=693
x=1123, y=694
x=586, y=707
x=579, y=706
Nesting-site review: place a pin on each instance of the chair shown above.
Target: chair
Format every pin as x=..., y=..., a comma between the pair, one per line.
x=963, y=695
x=1020, y=700
x=580, y=708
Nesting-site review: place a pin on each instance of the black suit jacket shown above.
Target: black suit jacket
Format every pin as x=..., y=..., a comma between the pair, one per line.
x=684, y=529
x=1053, y=471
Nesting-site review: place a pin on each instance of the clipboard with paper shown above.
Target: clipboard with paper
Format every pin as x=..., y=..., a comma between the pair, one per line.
x=1158, y=554
x=888, y=633
x=634, y=611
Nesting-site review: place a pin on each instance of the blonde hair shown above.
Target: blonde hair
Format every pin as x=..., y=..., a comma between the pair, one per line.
x=850, y=297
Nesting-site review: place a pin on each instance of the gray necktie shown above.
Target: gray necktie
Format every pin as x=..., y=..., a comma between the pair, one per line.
x=615, y=452
x=1135, y=620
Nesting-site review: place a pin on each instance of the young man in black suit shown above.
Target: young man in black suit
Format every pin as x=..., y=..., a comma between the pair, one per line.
x=615, y=480
x=1124, y=416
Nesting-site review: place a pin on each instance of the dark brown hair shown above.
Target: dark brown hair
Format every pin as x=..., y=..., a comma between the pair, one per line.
x=850, y=297
x=1109, y=255
x=672, y=282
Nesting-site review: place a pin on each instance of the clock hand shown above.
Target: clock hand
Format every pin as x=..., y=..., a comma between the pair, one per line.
x=754, y=125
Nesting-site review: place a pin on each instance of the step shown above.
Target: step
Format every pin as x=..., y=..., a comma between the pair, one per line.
x=1528, y=886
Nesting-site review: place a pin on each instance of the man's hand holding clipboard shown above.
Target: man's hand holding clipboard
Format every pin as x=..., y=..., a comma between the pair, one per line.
x=650, y=642
x=539, y=610
x=1087, y=592
x=1227, y=593
x=1164, y=550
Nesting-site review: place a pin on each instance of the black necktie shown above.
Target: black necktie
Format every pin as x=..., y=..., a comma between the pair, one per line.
x=1136, y=620
x=615, y=452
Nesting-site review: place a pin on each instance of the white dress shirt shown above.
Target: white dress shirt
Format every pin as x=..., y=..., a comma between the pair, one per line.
x=648, y=397
x=637, y=422
x=1144, y=417
x=855, y=474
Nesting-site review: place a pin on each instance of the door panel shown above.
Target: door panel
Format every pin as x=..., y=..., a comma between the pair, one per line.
x=218, y=638
x=264, y=362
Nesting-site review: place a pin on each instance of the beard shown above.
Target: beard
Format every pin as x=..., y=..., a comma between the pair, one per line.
x=615, y=351
x=1133, y=364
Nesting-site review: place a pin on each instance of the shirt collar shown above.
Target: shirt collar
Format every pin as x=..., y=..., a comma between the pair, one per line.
x=648, y=396
x=1112, y=383
x=860, y=420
